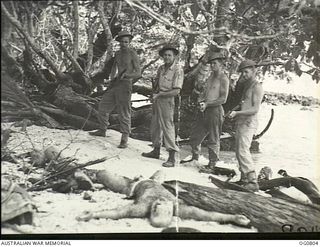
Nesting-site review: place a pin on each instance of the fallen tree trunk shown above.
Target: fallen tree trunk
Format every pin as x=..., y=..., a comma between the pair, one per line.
x=143, y=90
x=70, y=119
x=265, y=214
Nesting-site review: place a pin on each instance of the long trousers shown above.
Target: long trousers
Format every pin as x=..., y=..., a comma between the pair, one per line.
x=207, y=123
x=245, y=129
x=162, y=125
x=118, y=97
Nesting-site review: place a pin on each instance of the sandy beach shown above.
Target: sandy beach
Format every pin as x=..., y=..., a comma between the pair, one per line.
x=57, y=211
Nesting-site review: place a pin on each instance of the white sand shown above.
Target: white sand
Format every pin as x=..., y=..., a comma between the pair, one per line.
x=57, y=211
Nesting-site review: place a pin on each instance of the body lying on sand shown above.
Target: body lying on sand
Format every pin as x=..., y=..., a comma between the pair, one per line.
x=153, y=201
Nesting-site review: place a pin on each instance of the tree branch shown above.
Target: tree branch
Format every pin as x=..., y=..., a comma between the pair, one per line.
x=75, y=4
x=106, y=29
x=74, y=63
x=219, y=30
x=31, y=41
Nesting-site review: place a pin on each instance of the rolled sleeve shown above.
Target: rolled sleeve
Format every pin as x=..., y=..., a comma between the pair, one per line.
x=178, y=79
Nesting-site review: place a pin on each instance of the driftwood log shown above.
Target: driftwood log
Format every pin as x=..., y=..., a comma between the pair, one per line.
x=266, y=214
x=300, y=183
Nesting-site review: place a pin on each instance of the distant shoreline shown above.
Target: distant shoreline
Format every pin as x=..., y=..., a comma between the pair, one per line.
x=283, y=98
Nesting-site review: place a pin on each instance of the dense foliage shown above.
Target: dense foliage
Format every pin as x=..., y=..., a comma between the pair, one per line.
x=272, y=32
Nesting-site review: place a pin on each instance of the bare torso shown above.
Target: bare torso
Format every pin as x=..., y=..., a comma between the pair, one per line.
x=213, y=87
x=124, y=60
x=148, y=191
x=247, y=98
x=145, y=194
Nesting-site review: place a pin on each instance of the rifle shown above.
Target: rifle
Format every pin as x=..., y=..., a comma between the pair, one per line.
x=110, y=84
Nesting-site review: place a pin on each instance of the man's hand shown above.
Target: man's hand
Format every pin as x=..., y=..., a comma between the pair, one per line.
x=233, y=114
x=203, y=106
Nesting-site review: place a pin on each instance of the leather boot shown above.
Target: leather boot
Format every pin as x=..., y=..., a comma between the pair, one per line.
x=99, y=132
x=194, y=157
x=155, y=153
x=124, y=141
x=243, y=180
x=171, y=160
x=213, y=158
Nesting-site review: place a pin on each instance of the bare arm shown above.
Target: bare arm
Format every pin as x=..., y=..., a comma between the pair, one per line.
x=114, y=68
x=190, y=212
x=223, y=94
x=128, y=211
x=257, y=98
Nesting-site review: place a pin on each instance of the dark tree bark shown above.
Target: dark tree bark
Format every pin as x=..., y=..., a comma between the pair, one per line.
x=265, y=214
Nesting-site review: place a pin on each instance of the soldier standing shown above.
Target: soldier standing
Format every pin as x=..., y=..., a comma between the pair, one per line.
x=167, y=85
x=125, y=69
x=209, y=118
x=247, y=123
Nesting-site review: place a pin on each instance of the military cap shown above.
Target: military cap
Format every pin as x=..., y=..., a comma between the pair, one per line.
x=123, y=34
x=215, y=55
x=246, y=64
x=168, y=47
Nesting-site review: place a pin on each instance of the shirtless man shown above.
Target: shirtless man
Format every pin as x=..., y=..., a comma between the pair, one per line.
x=125, y=68
x=152, y=200
x=209, y=119
x=246, y=123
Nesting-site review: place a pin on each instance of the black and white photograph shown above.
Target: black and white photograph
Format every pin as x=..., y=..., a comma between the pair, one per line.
x=160, y=119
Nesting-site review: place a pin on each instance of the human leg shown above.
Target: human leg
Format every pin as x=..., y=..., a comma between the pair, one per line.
x=114, y=182
x=106, y=106
x=129, y=211
x=165, y=109
x=156, y=134
x=123, y=99
x=190, y=212
x=214, y=116
x=197, y=135
x=244, y=134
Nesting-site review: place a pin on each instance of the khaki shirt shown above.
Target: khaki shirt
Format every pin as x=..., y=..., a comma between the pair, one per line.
x=169, y=79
